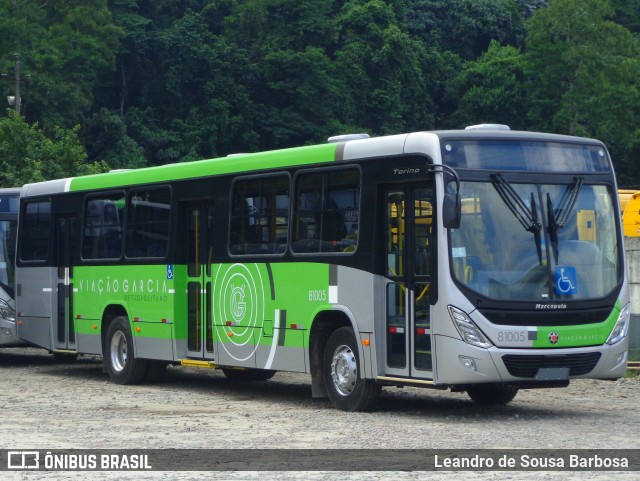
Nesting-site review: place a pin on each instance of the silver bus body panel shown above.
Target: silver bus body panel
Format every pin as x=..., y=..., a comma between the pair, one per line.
x=8, y=329
x=45, y=188
x=36, y=304
x=491, y=368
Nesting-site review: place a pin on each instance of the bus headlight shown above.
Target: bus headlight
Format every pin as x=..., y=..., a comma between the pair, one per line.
x=6, y=311
x=621, y=328
x=469, y=332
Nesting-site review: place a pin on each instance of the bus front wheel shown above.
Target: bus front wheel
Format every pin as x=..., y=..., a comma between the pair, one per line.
x=119, y=359
x=341, y=371
x=492, y=393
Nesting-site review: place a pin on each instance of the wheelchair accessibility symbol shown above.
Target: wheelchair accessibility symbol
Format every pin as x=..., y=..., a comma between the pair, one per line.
x=566, y=282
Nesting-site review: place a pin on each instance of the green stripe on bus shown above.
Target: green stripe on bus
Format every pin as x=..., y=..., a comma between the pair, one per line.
x=202, y=168
x=577, y=336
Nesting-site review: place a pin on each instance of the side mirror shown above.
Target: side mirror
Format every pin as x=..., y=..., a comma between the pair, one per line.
x=451, y=204
x=451, y=211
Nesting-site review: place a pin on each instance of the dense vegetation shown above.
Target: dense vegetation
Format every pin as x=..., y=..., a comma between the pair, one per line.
x=128, y=83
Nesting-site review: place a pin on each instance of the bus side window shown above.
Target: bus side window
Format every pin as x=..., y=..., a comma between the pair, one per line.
x=148, y=223
x=102, y=227
x=326, y=212
x=36, y=231
x=260, y=216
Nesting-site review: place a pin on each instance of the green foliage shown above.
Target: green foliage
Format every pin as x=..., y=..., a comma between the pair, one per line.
x=158, y=81
x=583, y=76
x=67, y=47
x=28, y=155
x=382, y=68
x=20, y=145
x=465, y=27
x=492, y=89
x=627, y=14
x=105, y=134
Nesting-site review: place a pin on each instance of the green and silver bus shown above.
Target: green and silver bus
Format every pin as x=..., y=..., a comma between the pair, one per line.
x=482, y=260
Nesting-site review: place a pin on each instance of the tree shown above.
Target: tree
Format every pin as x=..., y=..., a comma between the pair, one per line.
x=293, y=87
x=301, y=93
x=627, y=14
x=492, y=89
x=583, y=73
x=105, y=136
x=66, y=47
x=28, y=155
x=383, y=71
x=465, y=27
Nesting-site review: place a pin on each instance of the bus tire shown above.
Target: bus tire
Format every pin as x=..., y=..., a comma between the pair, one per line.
x=492, y=393
x=341, y=371
x=119, y=356
x=248, y=374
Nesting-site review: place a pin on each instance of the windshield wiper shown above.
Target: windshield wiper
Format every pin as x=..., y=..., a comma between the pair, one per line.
x=558, y=217
x=527, y=216
x=536, y=232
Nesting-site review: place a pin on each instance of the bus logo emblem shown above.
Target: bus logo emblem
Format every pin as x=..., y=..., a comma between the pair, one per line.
x=553, y=337
x=238, y=306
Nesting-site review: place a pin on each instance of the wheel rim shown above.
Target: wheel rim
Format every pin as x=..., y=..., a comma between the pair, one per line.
x=118, y=351
x=344, y=370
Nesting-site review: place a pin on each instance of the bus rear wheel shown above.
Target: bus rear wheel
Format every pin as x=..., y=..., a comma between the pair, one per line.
x=492, y=393
x=119, y=356
x=341, y=371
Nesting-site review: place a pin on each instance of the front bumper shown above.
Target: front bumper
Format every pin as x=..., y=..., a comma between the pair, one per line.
x=500, y=365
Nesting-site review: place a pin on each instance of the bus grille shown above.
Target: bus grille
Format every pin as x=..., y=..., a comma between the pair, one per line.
x=527, y=366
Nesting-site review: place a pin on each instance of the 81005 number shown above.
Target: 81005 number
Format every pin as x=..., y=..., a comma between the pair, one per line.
x=317, y=295
x=512, y=336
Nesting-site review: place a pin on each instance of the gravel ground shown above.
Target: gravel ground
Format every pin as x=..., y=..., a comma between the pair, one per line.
x=50, y=405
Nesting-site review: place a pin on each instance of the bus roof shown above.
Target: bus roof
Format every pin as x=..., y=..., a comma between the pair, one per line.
x=416, y=143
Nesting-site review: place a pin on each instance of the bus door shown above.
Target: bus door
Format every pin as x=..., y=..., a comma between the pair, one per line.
x=199, y=216
x=408, y=246
x=64, y=335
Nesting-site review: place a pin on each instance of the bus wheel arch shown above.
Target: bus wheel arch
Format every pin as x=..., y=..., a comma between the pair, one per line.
x=324, y=324
x=333, y=341
x=110, y=313
x=118, y=349
x=347, y=389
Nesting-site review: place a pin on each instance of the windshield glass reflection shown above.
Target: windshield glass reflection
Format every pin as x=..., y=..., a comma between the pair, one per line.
x=525, y=241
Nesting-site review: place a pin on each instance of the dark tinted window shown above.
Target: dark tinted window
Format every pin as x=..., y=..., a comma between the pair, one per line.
x=260, y=216
x=9, y=203
x=35, y=231
x=148, y=223
x=102, y=227
x=327, y=212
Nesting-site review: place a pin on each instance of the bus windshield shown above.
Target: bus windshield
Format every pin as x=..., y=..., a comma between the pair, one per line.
x=536, y=242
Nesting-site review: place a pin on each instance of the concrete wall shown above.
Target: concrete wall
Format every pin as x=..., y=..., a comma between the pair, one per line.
x=632, y=248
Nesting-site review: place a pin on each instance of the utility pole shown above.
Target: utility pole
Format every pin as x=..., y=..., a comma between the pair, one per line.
x=18, y=99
